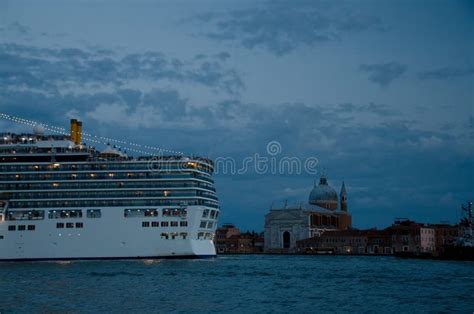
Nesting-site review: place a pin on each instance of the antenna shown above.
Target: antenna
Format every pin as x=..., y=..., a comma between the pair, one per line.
x=468, y=209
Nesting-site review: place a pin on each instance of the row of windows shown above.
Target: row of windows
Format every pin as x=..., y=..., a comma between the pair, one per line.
x=164, y=235
x=25, y=215
x=109, y=194
x=173, y=235
x=147, y=224
x=114, y=203
x=166, y=212
x=21, y=227
x=107, y=185
x=140, y=212
x=96, y=213
x=205, y=236
x=155, y=165
x=343, y=240
x=206, y=224
x=57, y=214
x=52, y=214
x=213, y=214
x=102, y=175
x=174, y=212
x=69, y=225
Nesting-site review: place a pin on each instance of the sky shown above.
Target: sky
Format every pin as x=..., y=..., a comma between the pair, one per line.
x=378, y=94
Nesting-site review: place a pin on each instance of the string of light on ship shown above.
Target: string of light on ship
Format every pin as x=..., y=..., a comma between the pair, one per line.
x=90, y=137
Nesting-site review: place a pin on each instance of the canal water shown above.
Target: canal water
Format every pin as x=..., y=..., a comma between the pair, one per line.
x=240, y=284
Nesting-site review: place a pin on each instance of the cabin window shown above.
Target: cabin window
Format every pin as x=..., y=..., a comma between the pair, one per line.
x=174, y=212
x=140, y=212
x=145, y=224
x=210, y=224
x=183, y=223
x=151, y=213
x=213, y=214
x=184, y=235
x=164, y=224
x=61, y=214
x=174, y=224
x=69, y=225
x=25, y=215
x=79, y=225
x=155, y=223
x=31, y=227
x=205, y=213
x=1, y=237
x=60, y=225
x=203, y=224
x=94, y=213
x=11, y=228
x=21, y=227
x=164, y=236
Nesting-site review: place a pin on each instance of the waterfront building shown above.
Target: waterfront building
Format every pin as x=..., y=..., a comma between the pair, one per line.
x=325, y=211
x=445, y=234
x=411, y=237
x=351, y=241
x=403, y=236
x=229, y=240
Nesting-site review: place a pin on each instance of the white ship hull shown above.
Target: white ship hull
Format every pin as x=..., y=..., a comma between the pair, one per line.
x=112, y=236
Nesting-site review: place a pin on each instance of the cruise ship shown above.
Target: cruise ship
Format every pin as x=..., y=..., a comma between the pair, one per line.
x=63, y=200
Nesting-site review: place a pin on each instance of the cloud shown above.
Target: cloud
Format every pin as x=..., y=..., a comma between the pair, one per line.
x=378, y=109
x=383, y=73
x=280, y=26
x=223, y=55
x=57, y=70
x=15, y=28
x=446, y=73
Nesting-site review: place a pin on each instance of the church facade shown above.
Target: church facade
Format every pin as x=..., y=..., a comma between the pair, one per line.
x=325, y=211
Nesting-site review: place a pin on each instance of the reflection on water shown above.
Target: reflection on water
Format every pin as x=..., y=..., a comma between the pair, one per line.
x=240, y=284
x=151, y=261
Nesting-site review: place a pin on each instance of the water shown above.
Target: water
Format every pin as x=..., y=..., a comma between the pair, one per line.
x=263, y=284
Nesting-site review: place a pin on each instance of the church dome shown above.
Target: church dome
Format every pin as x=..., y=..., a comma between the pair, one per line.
x=323, y=195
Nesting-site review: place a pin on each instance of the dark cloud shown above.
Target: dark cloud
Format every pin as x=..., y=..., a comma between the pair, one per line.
x=223, y=55
x=16, y=29
x=53, y=69
x=383, y=73
x=281, y=26
x=379, y=109
x=211, y=74
x=169, y=103
x=446, y=73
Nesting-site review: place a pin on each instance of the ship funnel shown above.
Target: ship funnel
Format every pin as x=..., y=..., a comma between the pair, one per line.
x=79, y=133
x=76, y=131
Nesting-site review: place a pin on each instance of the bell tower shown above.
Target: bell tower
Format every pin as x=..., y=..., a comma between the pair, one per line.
x=343, y=197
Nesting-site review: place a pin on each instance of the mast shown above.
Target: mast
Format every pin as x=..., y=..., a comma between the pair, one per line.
x=468, y=209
